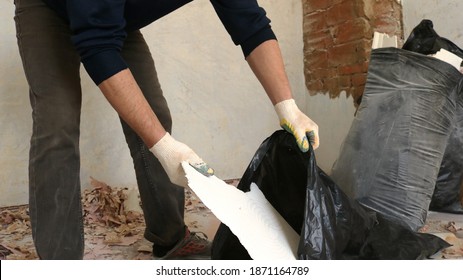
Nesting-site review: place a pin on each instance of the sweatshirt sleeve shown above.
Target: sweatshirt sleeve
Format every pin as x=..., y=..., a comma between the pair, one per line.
x=98, y=33
x=245, y=21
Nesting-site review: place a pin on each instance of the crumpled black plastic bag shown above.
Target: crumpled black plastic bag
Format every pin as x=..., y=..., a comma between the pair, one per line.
x=330, y=225
x=391, y=241
x=425, y=40
x=334, y=226
x=280, y=172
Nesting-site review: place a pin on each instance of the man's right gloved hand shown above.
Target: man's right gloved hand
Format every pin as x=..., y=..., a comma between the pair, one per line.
x=172, y=153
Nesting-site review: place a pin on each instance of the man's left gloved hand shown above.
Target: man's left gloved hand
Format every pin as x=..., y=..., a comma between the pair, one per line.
x=298, y=124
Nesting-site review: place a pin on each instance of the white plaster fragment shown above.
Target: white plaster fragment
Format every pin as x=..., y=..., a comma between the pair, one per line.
x=259, y=227
x=449, y=57
x=382, y=40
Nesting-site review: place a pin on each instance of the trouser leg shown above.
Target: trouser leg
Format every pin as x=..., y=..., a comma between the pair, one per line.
x=52, y=66
x=162, y=202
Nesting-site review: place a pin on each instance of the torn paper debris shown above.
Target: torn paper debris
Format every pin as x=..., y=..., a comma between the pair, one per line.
x=260, y=228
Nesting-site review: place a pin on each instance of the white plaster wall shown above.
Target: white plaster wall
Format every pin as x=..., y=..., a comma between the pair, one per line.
x=219, y=108
x=334, y=118
x=15, y=125
x=446, y=16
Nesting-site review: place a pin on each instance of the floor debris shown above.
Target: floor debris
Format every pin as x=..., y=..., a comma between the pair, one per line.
x=111, y=230
x=448, y=227
x=114, y=233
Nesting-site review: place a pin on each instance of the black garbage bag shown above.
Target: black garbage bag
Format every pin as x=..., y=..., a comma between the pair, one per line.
x=281, y=174
x=449, y=184
x=333, y=225
x=330, y=225
x=391, y=241
x=391, y=156
x=424, y=39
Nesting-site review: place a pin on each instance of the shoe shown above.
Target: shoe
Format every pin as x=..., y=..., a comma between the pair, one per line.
x=194, y=246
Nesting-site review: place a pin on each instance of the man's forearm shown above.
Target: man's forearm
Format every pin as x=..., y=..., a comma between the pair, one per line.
x=127, y=99
x=267, y=64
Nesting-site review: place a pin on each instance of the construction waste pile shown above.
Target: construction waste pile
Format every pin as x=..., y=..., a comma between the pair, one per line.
x=402, y=157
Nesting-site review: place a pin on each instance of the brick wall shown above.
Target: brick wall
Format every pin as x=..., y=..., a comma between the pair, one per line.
x=337, y=41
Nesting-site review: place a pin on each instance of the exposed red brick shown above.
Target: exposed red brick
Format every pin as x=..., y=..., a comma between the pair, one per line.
x=359, y=79
x=378, y=8
x=344, y=82
x=317, y=59
x=331, y=84
x=386, y=25
x=315, y=21
x=323, y=73
x=316, y=5
x=353, y=68
x=352, y=30
x=337, y=41
x=382, y=7
x=363, y=10
x=318, y=40
x=315, y=86
x=341, y=12
x=348, y=54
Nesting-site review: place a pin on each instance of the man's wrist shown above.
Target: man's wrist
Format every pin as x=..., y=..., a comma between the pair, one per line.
x=285, y=108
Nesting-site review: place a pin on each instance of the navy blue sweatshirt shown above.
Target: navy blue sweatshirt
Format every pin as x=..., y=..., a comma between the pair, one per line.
x=99, y=27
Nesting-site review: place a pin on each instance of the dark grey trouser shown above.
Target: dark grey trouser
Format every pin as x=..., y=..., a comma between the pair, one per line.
x=52, y=67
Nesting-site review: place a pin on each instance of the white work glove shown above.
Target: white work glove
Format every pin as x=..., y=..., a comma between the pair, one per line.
x=298, y=124
x=172, y=153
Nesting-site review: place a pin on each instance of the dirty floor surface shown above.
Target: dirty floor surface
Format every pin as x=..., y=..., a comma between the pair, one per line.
x=114, y=228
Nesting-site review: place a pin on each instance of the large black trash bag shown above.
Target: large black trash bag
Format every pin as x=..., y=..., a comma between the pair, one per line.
x=331, y=226
x=338, y=228
x=446, y=196
x=391, y=156
x=424, y=39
